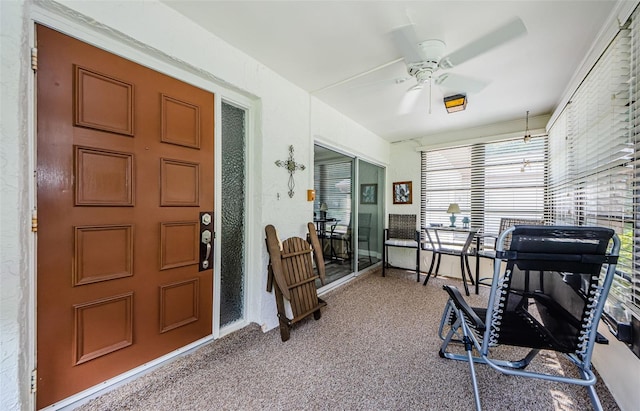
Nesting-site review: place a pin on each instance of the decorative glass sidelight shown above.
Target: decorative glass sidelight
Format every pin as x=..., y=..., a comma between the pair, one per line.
x=232, y=261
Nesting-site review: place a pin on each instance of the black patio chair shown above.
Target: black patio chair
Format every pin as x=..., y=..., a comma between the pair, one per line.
x=401, y=233
x=550, y=296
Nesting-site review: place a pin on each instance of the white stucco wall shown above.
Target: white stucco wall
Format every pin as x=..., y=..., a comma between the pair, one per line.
x=332, y=128
x=405, y=166
x=281, y=116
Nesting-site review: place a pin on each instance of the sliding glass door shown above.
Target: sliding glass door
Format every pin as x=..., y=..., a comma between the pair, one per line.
x=348, y=212
x=333, y=210
x=370, y=214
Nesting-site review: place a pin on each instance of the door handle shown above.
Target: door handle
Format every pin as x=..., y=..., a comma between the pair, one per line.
x=206, y=239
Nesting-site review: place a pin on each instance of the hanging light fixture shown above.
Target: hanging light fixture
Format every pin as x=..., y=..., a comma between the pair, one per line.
x=455, y=103
x=527, y=135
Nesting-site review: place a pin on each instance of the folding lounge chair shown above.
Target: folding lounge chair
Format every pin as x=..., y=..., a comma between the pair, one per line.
x=549, y=297
x=291, y=273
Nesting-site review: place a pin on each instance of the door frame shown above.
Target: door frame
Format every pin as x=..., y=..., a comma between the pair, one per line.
x=156, y=60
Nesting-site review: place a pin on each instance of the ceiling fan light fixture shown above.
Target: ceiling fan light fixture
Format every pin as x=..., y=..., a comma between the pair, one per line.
x=455, y=103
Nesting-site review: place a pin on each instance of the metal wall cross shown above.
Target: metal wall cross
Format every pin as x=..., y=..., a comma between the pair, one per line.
x=291, y=166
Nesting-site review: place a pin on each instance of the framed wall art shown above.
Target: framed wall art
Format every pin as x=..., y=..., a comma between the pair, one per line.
x=402, y=192
x=368, y=194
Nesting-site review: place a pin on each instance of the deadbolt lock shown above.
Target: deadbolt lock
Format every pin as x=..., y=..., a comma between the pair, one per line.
x=206, y=237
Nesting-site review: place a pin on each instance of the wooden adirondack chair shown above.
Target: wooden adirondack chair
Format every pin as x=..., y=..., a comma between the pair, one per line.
x=291, y=267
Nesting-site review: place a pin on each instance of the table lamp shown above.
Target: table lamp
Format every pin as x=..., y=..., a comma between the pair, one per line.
x=323, y=211
x=453, y=209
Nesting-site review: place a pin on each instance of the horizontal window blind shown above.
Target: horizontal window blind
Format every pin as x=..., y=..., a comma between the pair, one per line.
x=514, y=181
x=446, y=179
x=632, y=297
x=332, y=182
x=488, y=181
x=560, y=194
x=592, y=156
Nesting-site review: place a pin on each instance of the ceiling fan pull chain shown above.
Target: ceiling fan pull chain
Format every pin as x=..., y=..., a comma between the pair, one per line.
x=430, y=83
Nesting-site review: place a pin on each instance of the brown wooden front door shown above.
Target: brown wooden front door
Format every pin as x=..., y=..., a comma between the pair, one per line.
x=124, y=169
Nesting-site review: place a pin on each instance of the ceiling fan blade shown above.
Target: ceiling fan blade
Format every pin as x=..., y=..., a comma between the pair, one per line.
x=410, y=99
x=507, y=32
x=406, y=41
x=460, y=83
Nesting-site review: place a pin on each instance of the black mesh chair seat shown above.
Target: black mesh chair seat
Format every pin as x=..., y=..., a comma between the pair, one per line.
x=550, y=296
x=521, y=330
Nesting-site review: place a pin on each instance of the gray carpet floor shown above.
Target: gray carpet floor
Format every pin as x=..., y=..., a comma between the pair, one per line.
x=375, y=348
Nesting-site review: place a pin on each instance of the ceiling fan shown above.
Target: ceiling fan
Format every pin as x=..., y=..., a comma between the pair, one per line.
x=426, y=59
